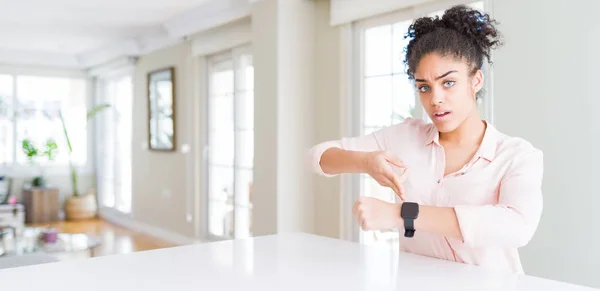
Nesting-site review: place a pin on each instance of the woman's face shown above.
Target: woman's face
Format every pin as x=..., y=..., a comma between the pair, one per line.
x=447, y=91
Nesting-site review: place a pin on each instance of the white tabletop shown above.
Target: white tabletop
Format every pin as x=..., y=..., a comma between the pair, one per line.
x=280, y=262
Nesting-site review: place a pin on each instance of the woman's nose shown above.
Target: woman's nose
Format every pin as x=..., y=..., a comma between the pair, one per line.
x=438, y=97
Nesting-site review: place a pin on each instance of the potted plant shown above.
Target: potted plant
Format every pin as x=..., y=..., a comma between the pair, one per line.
x=80, y=205
x=33, y=153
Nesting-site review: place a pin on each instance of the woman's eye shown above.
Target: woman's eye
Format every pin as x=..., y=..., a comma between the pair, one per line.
x=423, y=89
x=449, y=83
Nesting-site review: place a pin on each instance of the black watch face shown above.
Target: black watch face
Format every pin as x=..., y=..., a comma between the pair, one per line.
x=410, y=210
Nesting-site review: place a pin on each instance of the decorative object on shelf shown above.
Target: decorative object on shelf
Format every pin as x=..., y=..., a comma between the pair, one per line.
x=7, y=239
x=80, y=206
x=32, y=153
x=49, y=235
x=5, y=190
x=161, y=109
x=41, y=204
x=12, y=200
x=13, y=216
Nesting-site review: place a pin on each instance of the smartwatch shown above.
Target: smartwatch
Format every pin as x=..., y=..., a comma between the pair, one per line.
x=409, y=212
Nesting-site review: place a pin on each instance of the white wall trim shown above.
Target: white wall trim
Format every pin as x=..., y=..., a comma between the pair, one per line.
x=37, y=59
x=207, y=16
x=199, y=128
x=112, y=68
x=107, y=53
x=235, y=34
x=124, y=49
x=152, y=44
x=126, y=221
x=40, y=71
x=348, y=11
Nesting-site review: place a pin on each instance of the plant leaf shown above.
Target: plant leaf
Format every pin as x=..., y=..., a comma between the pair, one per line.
x=62, y=120
x=96, y=109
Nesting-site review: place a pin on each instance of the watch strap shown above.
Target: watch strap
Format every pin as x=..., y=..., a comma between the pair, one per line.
x=409, y=228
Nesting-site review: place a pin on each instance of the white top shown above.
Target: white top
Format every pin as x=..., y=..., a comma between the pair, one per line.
x=280, y=262
x=497, y=196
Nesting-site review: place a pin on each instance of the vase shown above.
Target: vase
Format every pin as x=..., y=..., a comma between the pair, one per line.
x=50, y=236
x=81, y=207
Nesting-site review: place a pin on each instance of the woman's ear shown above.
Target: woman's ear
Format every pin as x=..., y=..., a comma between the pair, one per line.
x=477, y=82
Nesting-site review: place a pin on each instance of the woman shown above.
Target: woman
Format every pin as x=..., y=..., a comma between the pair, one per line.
x=468, y=193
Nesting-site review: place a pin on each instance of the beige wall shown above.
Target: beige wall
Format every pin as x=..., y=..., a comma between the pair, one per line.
x=284, y=60
x=264, y=48
x=553, y=105
x=155, y=175
x=160, y=182
x=327, y=118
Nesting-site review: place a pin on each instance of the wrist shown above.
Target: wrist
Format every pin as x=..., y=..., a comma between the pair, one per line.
x=398, y=220
x=363, y=161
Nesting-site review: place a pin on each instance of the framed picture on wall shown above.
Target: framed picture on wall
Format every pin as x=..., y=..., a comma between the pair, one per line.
x=161, y=109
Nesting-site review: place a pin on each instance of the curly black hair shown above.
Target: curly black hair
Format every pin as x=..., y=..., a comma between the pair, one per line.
x=462, y=32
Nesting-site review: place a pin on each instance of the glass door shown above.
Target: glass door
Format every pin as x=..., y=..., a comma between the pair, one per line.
x=230, y=144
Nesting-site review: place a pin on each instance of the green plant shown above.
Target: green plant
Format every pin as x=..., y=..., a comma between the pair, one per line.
x=51, y=149
x=30, y=150
x=32, y=153
x=90, y=114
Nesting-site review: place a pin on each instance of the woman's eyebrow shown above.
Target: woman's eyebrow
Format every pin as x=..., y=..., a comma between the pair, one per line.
x=444, y=75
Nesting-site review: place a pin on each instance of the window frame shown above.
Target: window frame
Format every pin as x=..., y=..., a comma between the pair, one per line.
x=353, y=35
x=21, y=171
x=209, y=60
x=101, y=86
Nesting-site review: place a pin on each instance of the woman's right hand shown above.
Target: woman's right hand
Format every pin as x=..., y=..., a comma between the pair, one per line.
x=380, y=165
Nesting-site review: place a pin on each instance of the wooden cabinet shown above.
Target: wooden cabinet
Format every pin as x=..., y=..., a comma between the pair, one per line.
x=41, y=204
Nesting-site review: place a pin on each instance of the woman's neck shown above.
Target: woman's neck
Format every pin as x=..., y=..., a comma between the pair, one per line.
x=470, y=132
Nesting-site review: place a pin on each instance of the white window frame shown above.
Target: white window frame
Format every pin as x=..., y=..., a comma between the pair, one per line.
x=352, y=72
x=202, y=45
x=17, y=170
x=230, y=53
x=101, y=86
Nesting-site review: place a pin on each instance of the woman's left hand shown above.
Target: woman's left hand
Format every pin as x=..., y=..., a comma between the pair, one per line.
x=375, y=214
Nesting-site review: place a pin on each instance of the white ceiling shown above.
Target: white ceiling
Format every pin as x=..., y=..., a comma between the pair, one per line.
x=69, y=30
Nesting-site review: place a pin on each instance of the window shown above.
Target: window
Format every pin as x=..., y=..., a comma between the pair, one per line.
x=230, y=144
x=29, y=109
x=385, y=94
x=7, y=144
x=114, y=143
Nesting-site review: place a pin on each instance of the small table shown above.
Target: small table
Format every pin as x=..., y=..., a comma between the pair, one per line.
x=30, y=241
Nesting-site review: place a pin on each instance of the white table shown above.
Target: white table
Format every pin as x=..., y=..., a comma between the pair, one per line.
x=281, y=262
